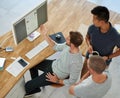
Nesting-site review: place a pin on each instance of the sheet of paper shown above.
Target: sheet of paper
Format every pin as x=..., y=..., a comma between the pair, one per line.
x=2, y=61
x=15, y=68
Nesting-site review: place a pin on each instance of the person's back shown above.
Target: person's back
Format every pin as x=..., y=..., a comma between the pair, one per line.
x=63, y=68
x=92, y=89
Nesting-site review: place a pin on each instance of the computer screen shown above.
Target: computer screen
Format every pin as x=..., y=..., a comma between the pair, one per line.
x=28, y=23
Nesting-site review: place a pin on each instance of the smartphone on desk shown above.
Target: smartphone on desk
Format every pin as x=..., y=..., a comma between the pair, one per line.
x=22, y=62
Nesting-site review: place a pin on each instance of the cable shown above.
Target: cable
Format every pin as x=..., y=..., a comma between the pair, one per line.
x=4, y=41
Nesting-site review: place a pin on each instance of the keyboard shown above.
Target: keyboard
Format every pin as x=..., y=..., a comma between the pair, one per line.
x=41, y=46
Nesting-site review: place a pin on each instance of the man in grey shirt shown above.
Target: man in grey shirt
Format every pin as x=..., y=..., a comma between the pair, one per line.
x=65, y=70
x=97, y=84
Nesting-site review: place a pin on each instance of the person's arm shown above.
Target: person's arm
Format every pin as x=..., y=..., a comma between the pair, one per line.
x=74, y=73
x=116, y=53
x=87, y=38
x=53, y=78
x=71, y=89
x=43, y=31
x=85, y=76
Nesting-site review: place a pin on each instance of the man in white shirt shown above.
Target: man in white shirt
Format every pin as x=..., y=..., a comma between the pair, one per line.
x=65, y=70
x=97, y=84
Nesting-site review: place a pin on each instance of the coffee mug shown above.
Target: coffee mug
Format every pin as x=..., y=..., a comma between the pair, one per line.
x=93, y=53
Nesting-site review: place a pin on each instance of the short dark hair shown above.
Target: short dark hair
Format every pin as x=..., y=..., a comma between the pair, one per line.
x=76, y=38
x=97, y=63
x=101, y=12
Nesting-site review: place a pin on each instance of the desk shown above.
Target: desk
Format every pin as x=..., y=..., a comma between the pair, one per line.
x=7, y=81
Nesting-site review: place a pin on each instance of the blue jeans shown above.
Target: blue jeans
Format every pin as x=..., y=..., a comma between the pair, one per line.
x=39, y=81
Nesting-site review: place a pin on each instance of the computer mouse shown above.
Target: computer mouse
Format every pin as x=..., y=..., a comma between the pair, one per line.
x=58, y=36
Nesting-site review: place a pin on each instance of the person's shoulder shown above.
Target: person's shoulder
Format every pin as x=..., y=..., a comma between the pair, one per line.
x=108, y=74
x=113, y=30
x=114, y=34
x=92, y=26
x=91, y=29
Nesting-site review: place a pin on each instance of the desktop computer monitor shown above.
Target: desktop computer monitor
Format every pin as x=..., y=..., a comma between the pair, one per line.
x=31, y=21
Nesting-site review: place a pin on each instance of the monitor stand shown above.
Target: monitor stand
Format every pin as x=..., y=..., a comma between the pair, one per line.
x=33, y=36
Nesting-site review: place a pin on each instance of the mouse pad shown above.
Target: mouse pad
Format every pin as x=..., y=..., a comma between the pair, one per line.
x=58, y=40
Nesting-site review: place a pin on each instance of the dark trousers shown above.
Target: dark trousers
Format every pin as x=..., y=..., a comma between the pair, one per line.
x=39, y=80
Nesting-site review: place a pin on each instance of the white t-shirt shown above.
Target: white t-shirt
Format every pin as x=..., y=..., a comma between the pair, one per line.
x=90, y=89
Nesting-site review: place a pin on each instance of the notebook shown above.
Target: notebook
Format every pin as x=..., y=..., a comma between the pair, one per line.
x=2, y=61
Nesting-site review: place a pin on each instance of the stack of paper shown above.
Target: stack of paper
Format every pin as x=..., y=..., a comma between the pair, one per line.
x=17, y=66
x=2, y=61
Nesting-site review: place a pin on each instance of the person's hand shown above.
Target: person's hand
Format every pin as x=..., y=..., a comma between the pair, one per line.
x=105, y=58
x=90, y=49
x=52, y=77
x=43, y=29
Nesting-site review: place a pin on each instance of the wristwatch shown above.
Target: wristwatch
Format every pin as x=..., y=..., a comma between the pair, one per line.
x=57, y=81
x=108, y=57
